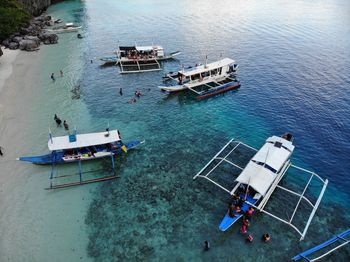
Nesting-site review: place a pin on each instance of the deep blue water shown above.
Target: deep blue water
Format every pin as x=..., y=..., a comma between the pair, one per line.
x=294, y=59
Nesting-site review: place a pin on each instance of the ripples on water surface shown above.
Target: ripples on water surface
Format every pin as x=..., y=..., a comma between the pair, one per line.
x=294, y=71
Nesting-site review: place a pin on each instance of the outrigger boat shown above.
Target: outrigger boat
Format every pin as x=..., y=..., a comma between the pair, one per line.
x=82, y=147
x=135, y=59
x=205, y=80
x=341, y=240
x=67, y=28
x=260, y=177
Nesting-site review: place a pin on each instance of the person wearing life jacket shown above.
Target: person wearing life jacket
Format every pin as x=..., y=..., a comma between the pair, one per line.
x=250, y=213
x=206, y=245
x=231, y=210
x=249, y=238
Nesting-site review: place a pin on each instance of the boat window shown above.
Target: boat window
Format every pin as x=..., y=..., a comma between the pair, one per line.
x=278, y=144
x=213, y=72
x=265, y=165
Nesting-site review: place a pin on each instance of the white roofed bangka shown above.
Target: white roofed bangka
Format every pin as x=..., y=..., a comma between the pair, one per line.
x=67, y=28
x=82, y=147
x=260, y=178
x=136, y=59
x=205, y=80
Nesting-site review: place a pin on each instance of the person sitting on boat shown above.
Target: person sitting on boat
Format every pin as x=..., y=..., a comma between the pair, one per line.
x=179, y=77
x=231, y=210
x=235, y=200
x=250, y=213
x=266, y=237
x=238, y=211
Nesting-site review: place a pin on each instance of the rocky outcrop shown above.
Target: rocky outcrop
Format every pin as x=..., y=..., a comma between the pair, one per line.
x=29, y=43
x=30, y=37
x=48, y=39
x=37, y=7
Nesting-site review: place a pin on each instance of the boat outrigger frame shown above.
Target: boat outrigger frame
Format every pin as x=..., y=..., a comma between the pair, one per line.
x=222, y=158
x=54, y=175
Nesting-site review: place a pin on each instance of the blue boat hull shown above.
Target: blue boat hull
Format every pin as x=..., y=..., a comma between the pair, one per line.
x=57, y=156
x=228, y=221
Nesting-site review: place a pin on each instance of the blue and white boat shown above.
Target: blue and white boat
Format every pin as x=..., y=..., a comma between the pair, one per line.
x=205, y=80
x=78, y=148
x=260, y=177
x=82, y=147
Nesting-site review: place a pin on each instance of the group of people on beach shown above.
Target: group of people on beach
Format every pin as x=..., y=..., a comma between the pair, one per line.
x=59, y=121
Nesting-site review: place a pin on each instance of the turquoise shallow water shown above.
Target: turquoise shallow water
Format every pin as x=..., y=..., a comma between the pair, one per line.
x=294, y=64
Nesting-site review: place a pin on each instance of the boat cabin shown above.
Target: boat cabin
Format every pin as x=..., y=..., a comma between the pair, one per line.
x=140, y=52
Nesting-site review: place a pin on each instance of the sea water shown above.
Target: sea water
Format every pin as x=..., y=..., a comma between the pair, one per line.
x=294, y=68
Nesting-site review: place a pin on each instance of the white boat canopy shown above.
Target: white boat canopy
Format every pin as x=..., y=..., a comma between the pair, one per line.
x=148, y=48
x=259, y=175
x=208, y=67
x=263, y=169
x=83, y=140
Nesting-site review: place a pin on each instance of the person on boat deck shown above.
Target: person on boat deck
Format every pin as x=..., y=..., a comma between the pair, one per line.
x=235, y=200
x=179, y=77
x=231, y=210
x=250, y=213
x=238, y=211
x=65, y=125
x=266, y=237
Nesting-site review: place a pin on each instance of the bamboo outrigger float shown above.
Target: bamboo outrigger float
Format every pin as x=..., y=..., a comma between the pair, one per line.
x=339, y=239
x=260, y=178
x=78, y=148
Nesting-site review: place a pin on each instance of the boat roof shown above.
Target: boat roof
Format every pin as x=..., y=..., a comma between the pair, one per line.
x=259, y=173
x=208, y=67
x=140, y=48
x=83, y=140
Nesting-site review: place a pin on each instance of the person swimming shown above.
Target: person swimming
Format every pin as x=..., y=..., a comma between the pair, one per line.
x=266, y=237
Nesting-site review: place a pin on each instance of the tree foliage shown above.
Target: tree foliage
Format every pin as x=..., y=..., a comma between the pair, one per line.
x=12, y=17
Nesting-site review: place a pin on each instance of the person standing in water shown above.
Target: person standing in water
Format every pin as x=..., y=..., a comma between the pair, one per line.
x=65, y=125
x=53, y=76
x=206, y=245
x=1, y=153
x=61, y=72
x=121, y=91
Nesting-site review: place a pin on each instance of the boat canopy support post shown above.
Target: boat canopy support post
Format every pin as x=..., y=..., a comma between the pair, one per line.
x=80, y=171
x=113, y=164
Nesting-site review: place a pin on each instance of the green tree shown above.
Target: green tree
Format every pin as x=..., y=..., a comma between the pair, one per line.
x=12, y=17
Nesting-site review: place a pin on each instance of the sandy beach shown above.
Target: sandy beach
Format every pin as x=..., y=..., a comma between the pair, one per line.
x=30, y=214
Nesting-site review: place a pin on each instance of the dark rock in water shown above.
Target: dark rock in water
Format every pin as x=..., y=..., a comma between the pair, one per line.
x=13, y=45
x=1, y=53
x=48, y=39
x=29, y=44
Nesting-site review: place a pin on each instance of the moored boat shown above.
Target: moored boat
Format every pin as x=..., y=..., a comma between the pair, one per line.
x=135, y=59
x=205, y=80
x=82, y=147
x=260, y=178
x=68, y=27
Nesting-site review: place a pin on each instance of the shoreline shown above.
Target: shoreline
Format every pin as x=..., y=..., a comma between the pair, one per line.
x=52, y=222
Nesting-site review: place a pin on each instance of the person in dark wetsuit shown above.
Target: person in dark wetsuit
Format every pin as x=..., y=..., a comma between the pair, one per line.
x=206, y=245
x=58, y=120
x=65, y=125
